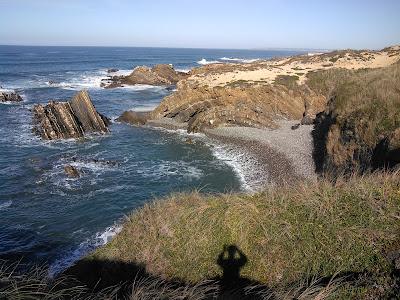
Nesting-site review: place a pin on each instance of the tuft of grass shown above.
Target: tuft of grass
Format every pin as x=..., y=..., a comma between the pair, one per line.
x=289, y=81
x=313, y=229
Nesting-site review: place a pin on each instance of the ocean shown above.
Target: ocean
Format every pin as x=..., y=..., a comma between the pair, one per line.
x=47, y=218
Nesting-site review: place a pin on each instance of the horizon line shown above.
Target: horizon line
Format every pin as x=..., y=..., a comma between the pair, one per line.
x=168, y=47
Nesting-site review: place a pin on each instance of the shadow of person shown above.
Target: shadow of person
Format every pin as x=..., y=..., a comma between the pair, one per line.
x=233, y=286
x=231, y=260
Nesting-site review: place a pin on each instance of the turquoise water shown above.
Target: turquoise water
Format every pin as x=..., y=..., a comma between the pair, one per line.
x=46, y=217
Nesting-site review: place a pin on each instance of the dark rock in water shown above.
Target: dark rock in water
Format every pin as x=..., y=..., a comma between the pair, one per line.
x=112, y=71
x=158, y=75
x=73, y=119
x=134, y=118
x=10, y=97
x=71, y=171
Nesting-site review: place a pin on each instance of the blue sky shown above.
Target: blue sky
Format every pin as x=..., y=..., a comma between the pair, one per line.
x=248, y=24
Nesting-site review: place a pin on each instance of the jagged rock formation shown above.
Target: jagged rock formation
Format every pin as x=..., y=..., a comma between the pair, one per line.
x=245, y=105
x=10, y=97
x=73, y=119
x=157, y=75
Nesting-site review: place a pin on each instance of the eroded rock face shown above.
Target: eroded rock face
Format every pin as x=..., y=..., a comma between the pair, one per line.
x=157, y=75
x=10, y=97
x=250, y=105
x=72, y=119
x=134, y=118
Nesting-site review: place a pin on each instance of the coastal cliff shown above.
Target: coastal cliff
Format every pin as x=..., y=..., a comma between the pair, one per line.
x=261, y=93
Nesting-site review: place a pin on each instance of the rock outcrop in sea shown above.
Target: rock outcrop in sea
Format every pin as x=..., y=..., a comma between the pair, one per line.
x=158, y=75
x=134, y=118
x=72, y=119
x=10, y=97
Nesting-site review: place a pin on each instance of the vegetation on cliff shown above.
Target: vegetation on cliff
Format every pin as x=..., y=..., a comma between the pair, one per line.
x=326, y=229
x=360, y=128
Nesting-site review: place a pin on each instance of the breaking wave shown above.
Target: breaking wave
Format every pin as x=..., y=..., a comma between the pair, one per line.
x=241, y=60
x=207, y=62
x=99, y=239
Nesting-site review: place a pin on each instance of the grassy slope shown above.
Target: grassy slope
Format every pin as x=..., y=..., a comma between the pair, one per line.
x=364, y=110
x=286, y=234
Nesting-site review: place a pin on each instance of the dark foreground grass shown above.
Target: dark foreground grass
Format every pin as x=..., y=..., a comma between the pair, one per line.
x=287, y=234
x=319, y=240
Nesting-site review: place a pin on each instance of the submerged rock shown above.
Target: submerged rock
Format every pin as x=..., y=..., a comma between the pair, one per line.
x=158, y=75
x=112, y=71
x=134, y=118
x=10, y=97
x=73, y=119
x=71, y=171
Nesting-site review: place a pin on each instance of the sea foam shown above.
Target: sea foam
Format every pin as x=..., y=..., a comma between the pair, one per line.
x=207, y=62
x=241, y=60
x=99, y=239
x=5, y=205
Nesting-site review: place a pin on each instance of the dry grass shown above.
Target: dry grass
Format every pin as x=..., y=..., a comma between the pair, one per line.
x=363, y=111
x=290, y=81
x=315, y=229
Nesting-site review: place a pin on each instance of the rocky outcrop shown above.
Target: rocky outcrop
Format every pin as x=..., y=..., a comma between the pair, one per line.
x=71, y=171
x=157, y=75
x=10, y=97
x=249, y=105
x=134, y=118
x=72, y=119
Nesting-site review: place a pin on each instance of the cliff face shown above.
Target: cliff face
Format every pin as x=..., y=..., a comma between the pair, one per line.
x=260, y=93
x=243, y=104
x=158, y=75
x=73, y=119
x=360, y=128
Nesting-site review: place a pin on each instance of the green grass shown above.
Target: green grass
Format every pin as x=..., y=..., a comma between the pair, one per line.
x=316, y=229
x=364, y=106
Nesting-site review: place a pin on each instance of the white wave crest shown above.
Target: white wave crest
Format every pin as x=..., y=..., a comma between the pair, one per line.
x=242, y=164
x=241, y=60
x=207, y=62
x=164, y=169
x=5, y=205
x=99, y=239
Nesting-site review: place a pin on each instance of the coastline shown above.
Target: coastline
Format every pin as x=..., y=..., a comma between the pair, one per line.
x=260, y=157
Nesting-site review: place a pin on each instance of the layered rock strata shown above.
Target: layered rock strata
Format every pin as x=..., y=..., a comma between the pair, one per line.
x=245, y=105
x=72, y=119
